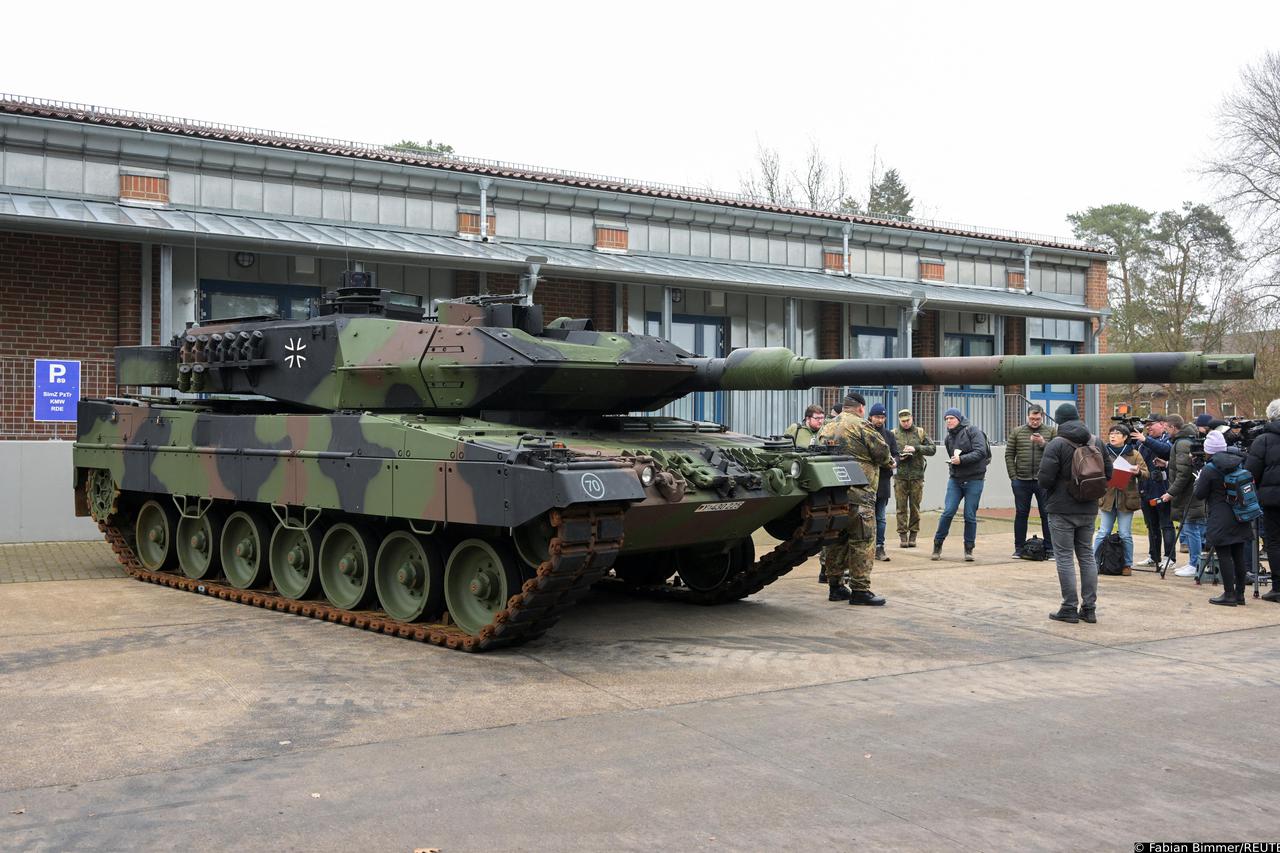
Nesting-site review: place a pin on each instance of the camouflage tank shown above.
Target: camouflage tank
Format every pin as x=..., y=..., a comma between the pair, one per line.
x=465, y=479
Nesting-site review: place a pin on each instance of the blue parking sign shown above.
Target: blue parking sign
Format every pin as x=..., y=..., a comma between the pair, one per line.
x=57, y=389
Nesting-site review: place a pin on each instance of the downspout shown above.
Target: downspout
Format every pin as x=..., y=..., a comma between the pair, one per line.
x=846, y=231
x=1026, y=271
x=535, y=263
x=485, y=183
x=908, y=396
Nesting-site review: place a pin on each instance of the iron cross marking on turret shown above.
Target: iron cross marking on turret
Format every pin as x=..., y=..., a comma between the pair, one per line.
x=295, y=358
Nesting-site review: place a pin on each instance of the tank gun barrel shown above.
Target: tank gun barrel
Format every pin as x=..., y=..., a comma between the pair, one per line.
x=776, y=367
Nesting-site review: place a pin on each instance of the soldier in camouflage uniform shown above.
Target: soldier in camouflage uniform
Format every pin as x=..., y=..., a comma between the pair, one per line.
x=909, y=483
x=855, y=437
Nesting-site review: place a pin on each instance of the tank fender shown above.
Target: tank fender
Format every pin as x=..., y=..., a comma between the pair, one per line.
x=532, y=491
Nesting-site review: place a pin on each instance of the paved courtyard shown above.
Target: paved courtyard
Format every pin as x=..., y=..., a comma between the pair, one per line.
x=957, y=717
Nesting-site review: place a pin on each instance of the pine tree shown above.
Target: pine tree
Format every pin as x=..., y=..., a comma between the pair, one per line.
x=889, y=197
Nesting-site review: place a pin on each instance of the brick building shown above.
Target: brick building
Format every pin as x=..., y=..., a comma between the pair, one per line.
x=120, y=228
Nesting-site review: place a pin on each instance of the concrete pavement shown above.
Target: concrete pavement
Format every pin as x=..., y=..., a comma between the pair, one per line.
x=957, y=717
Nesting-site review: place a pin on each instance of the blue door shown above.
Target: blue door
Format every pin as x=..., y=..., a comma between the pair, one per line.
x=700, y=335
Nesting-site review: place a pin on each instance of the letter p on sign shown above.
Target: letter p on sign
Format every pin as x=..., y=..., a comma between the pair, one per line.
x=57, y=373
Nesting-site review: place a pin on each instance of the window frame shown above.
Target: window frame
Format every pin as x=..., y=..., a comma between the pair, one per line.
x=967, y=339
x=283, y=294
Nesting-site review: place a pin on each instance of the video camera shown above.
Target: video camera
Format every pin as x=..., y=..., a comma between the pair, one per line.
x=1242, y=431
x=1133, y=423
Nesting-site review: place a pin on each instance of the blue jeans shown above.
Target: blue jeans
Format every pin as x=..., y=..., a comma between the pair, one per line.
x=970, y=491
x=1192, y=532
x=1107, y=519
x=1023, y=492
x=881, y=506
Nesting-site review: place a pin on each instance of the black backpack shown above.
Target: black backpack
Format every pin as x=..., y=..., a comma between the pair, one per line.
x=1110, y=555
x=1034, y=550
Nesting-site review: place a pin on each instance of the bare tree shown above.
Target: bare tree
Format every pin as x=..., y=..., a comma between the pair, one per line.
x=1248, y=167
x=822, y=186
x=769, y=181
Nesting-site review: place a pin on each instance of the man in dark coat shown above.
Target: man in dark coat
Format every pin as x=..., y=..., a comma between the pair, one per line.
x=1070, y=520
x=968, y=455
x=1154, y=448
x=1263, y=463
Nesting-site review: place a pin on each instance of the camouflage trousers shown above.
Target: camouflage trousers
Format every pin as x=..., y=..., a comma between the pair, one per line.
x=909, y=494
x=855, y=556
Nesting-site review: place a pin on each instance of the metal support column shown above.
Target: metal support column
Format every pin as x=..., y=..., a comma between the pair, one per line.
x=166, y=294
x=665, y=332
x=997, y=329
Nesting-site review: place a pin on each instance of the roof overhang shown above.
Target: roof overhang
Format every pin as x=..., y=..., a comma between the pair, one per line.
x=109, y=219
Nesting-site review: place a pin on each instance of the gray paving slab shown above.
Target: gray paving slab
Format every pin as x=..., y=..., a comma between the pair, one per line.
x=957, y=717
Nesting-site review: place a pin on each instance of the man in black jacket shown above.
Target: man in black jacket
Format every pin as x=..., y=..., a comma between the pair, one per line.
x=968, y=455
x=1071, y=521
x=1263, y=463
x=877, y=418
x=1155, y=448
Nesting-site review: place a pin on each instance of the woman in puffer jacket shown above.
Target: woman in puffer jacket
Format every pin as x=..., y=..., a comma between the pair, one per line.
x=1118, y=505
x=1228, y=534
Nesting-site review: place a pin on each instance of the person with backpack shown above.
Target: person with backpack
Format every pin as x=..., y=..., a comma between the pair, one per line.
x=1188, y=511
x=1074, y=472
x=805, y=432
x=1119, y=504
x=1263, y=463
x=1227, y=488
x=968, y=454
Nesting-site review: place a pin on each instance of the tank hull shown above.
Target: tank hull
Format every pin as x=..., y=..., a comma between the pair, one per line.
x=681, y=493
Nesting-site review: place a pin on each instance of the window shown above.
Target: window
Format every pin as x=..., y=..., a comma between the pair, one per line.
x=872, y=342
x=833, y=261
x=1228, y=410
x=932, y=269
x=220, y=300
x=1199, y=407
x=611, y=239
x=959, y=346
x=1016, y=279
x=469, y=223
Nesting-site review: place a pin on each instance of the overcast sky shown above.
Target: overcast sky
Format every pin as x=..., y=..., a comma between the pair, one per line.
x=1008, y=115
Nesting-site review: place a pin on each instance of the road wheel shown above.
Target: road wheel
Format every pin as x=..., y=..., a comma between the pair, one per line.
x=409, y=576
x=479, y=579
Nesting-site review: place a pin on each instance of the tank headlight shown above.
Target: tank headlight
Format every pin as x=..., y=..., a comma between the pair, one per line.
x=795, y=468
x=646, y=476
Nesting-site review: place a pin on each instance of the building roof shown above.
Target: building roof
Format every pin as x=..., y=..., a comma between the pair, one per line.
x=66, y=111
x=199, y=228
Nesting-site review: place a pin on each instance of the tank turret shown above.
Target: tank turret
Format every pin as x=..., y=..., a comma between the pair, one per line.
x=364, y=352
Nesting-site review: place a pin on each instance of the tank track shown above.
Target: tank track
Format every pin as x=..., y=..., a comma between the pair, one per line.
x=825, y=517
x=586, y=543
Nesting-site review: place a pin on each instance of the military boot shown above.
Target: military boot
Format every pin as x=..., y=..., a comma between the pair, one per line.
x=838, y=592
x=903, y=542
x=911, y=540
x=881, y=555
